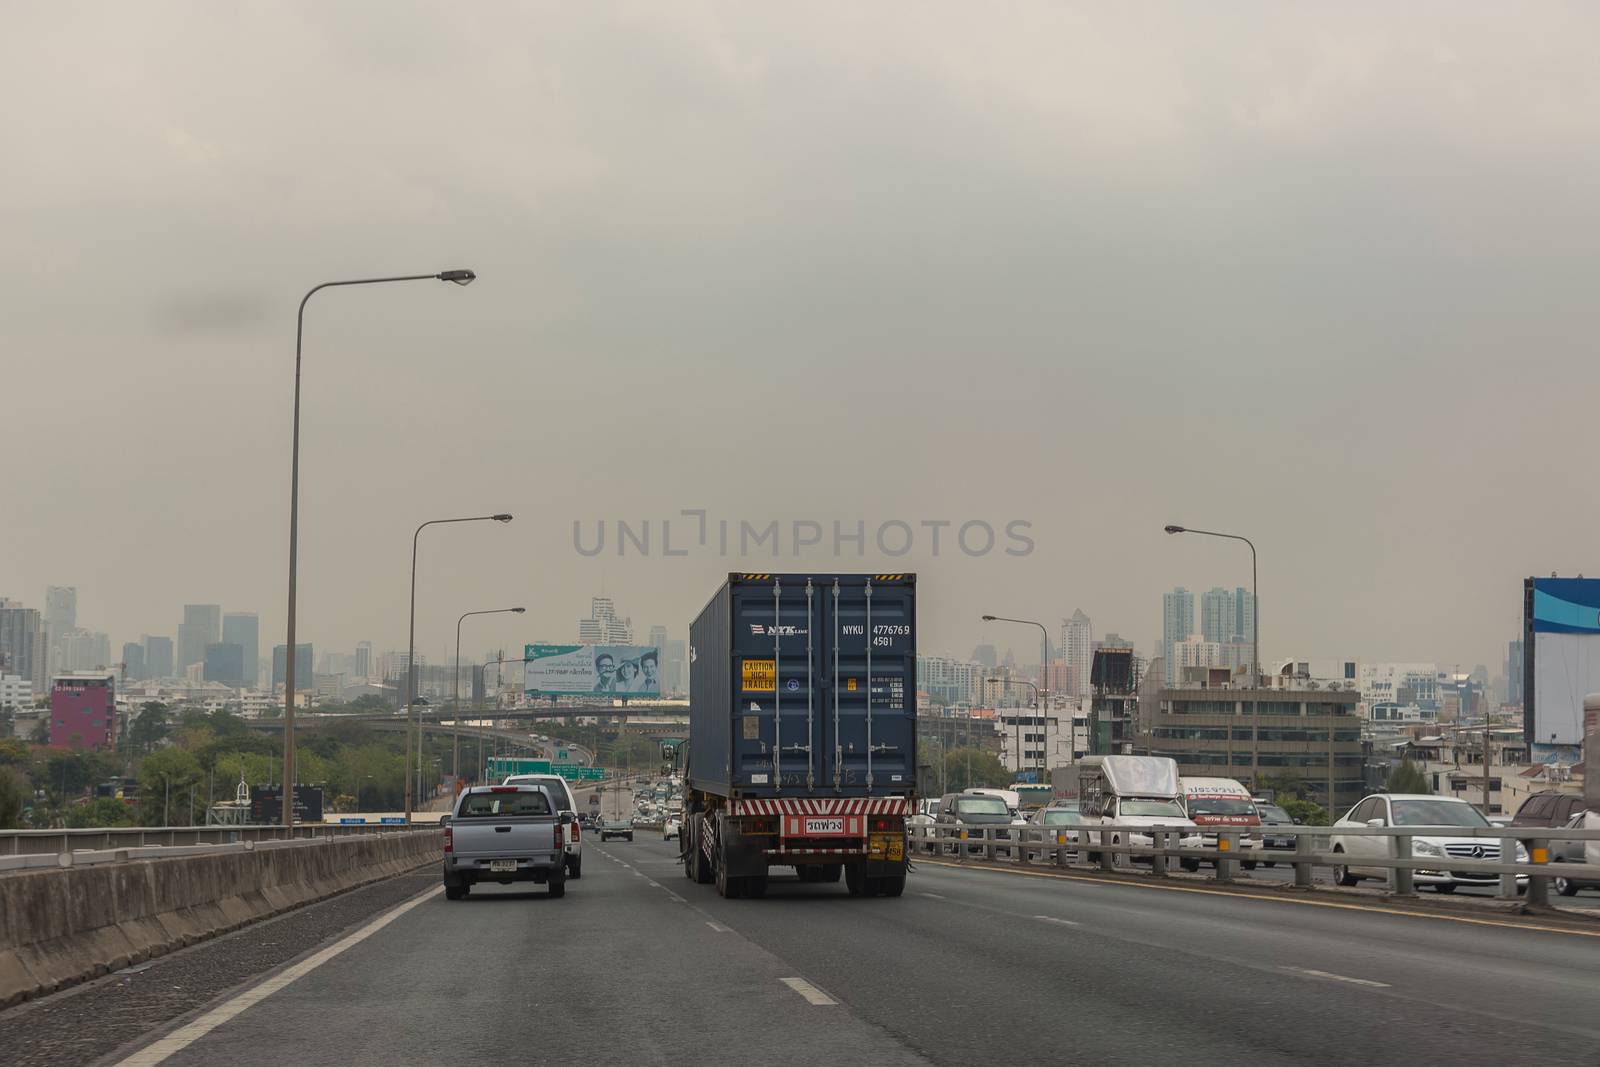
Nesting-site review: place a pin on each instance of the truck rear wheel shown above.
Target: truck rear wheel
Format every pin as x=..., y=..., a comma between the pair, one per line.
x=831, y=872
x=455, y=892
x=855, y=880
x=755, y=886
x=575, y=867
x=558, y=887
x=892, y=885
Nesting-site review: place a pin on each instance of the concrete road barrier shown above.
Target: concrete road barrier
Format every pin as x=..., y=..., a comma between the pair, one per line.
x=67, y=925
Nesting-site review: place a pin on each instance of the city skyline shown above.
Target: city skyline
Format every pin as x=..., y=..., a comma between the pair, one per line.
x=1279, y=240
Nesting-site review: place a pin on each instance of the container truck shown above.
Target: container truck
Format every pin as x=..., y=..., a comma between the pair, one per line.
x=802, y=732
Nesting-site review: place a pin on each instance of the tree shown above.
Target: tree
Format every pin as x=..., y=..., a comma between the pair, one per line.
x=101, y=811
x=986, y=770
x=41, y=730
x=151, y=727
x=15, y=793
x=1304, y=812
x=1408, y=778
x=13, y=753
x=165, y=779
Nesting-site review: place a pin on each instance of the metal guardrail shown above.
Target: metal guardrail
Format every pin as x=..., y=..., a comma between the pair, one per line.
x=54, y=842
x=1111, y=847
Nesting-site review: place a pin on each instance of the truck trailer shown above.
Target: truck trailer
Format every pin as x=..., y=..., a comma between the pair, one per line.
x=802, y=732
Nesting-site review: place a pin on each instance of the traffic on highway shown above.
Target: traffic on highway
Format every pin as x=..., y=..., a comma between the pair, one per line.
x=725, y=532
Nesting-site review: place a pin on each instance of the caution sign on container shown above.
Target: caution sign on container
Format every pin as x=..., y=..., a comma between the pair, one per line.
x=759, y=676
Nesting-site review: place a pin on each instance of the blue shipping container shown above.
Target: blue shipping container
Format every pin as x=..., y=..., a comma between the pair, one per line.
x=805, y=685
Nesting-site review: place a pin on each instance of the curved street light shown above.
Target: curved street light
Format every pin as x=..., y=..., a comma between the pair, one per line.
x=460, y=276
x=411, y=646
x=1044, y=679
x=455, y=702
x=1255, y=645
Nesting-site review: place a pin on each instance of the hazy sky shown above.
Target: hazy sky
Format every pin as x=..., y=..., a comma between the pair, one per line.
x=1321, y=274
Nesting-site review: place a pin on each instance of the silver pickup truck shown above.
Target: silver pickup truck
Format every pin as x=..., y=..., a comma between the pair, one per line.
x=505, y=834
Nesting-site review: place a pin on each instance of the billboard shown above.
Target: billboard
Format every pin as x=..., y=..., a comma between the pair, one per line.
x=592, y=670
x=1561, y=661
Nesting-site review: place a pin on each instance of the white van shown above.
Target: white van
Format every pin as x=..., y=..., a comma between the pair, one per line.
x=559, y=787
x=1222, y=803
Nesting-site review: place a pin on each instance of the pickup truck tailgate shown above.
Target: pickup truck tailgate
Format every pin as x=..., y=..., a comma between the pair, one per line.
x=504, y=837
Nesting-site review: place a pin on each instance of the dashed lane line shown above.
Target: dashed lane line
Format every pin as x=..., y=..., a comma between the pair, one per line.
x=812, y=994
x=1307, y=972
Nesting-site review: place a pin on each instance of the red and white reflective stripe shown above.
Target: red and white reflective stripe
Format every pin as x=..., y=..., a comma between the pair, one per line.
x=816, y=851
x=829, y=806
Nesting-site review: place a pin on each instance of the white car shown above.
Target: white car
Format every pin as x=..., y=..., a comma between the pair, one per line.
x=1414, y=809
x=559, y=787
x=670, y=828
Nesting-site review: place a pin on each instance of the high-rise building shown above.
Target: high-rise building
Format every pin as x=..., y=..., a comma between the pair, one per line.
x=1217, y=615
x=224, y=663
x=302, y=665
x=1244, y=615
x=60, y=616
x=1514, y=672
x=243, y=628
x=363, y=660
x=603, y=626
x=133, y=660
x=23, y=644
x=157, y=656
x=986, y=655
x=79, y=650
x=1177, y=623
x=675, y=669
x=202, y=626
x=1077, y=646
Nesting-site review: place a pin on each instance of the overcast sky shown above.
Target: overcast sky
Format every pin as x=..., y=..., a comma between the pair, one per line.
x=1320, y=274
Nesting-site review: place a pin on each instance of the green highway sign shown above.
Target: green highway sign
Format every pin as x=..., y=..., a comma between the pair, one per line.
x=499, y=767
x=581, y=774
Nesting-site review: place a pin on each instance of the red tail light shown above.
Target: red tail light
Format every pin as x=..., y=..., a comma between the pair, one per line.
x=559, y=843
x=883, y=823
x=449, y=839
x=575, y=829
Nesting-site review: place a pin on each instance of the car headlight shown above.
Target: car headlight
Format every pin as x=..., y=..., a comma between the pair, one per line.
x=1522, y=852
x=1426, y=848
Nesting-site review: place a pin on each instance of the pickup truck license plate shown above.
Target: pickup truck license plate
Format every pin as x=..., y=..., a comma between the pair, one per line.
x=502, y=865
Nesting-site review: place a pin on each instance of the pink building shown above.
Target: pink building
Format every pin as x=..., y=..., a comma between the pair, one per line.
x=83, y=711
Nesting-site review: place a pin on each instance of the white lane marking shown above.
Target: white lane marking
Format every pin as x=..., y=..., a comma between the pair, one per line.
x=1053, y=919
x=183, y=1037
x=674, y=896
x=718, y=927
x=652, y=885
x=933, y=896
x=1339, y=977
x=809, y=991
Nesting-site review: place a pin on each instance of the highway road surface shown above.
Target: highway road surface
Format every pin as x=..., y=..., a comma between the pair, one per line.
x=636, y=965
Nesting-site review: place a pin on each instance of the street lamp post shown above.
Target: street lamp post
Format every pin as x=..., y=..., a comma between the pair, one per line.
x=498, y=660
x=460, y=277
x=1044, y=677
x=1030, y=685
x=1255, y=644
x=455, y=703
x=411, y=642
